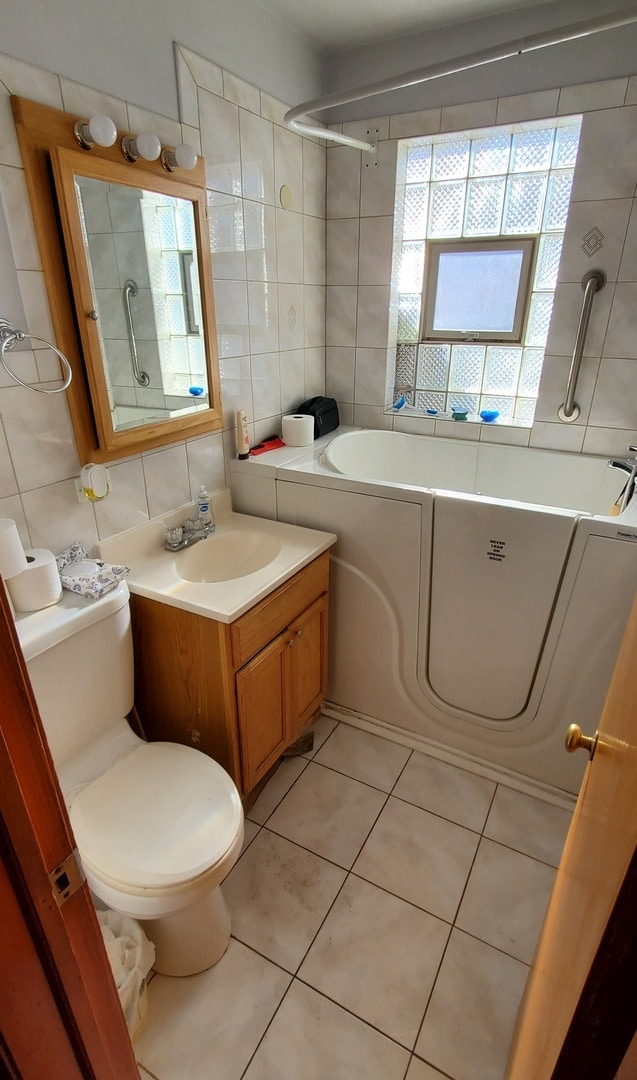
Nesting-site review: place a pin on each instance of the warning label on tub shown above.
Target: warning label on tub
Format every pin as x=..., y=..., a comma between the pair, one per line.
x=496, y=550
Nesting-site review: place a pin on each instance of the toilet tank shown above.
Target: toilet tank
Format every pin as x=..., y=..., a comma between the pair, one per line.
x=79, y=655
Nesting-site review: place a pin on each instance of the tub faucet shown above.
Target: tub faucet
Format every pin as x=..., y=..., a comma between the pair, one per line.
x=629, y=466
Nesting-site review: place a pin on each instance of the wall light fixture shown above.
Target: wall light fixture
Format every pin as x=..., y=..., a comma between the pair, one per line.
x=98, y=130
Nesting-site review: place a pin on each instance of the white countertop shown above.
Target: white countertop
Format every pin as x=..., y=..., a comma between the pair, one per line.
x=154, y=572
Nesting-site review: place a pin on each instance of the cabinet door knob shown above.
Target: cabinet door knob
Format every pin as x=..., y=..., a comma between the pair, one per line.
x=299, y=633
x=291, y=642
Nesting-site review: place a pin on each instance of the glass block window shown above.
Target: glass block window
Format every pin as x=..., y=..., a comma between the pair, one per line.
x=512, y=182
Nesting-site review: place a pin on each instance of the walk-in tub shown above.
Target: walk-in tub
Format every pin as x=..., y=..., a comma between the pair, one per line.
x=479, y=591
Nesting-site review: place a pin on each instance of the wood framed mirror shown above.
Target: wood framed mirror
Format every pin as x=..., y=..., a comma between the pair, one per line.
x=126, y=257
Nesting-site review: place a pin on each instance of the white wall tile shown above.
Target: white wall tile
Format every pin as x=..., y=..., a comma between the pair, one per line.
x=8, y=482
x=631, y=92
x=588, y=96
x=378, y=183
x=413, y=425
x=341, y=301
x=266, y=385
x=291, y=317
x=620, y=336
x=369, y=387
x=257, y=157
x=126, y=504
x=11, y=507
x=260, y=241
x=370, y=416
x=289, y=246
x=272, y=109
x=186, y=89
x=263, y=306
x=166, y=478
x=557, y=437
x=40, y=437
x=628, y=265
x=313, y=179
x=167, y=129
x=609, y=217
x=56, y=519
x=342, y=251
x=553, y=387
x=9, y=149
x=205, y=463
x=508, y=436
x=207, y=75
x=463, y=117
x=567, y=309
x=527, y=106
x=314, y=315
x=343, y=182
x=231, y=310
x=609, y=442
x=288, y=166
x=226, y=222
x=220, y=143
x=375, y=250
x=615, y=400
x=15, y=198
x=406, y=125
x=607, y=156
x=30, y=82
x=358, y=129
x=314, y=372
x=372, y=316
x=241, y=92
x=340, y=367
x=314, y=256
x=236, y=388
x=292, y=369
x=84, y=101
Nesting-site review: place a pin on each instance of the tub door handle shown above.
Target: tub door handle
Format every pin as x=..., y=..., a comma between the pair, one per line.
x=576, y=741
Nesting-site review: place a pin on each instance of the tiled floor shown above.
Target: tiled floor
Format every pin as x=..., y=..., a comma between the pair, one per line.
x=384, y=912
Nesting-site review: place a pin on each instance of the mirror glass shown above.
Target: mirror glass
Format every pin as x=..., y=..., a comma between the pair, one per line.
x=141, y=250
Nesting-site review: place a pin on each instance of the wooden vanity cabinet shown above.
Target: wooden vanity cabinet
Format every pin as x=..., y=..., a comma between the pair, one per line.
x=239, y=691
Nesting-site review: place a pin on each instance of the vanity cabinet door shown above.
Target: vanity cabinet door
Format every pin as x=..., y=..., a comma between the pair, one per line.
x=262, y=706
x=308, y=664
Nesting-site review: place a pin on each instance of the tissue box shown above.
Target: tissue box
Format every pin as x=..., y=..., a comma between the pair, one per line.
x=86, y=576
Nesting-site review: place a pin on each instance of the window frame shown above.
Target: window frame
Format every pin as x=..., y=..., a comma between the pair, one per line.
x=435, y=248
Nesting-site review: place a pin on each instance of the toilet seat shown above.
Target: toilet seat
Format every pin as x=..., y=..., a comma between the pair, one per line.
x=160, y=817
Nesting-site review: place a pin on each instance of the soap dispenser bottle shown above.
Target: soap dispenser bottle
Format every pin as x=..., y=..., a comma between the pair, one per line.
x=204, y=512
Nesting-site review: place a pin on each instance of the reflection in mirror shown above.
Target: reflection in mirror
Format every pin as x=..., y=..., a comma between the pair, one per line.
x=142, y=256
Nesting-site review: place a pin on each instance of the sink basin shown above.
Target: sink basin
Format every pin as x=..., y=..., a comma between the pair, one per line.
x=228, y=555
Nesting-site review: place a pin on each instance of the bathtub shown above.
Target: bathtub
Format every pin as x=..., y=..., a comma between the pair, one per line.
x=479, y=592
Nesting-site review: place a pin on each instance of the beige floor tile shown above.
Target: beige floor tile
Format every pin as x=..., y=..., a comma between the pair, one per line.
x=364, y=757
x=505, y=899
x=276, y=789
x=377, y=956
x=278, y=896
x=446, y=790
x=210, y=1024
x=250, y=830
x=420, y=1070
x=314, y=1039
x=418, y=856
x=470, y=1019
x=529, y=825
x=328, y=813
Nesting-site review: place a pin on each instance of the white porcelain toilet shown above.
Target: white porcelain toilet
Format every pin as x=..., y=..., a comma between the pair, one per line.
x=158, y=825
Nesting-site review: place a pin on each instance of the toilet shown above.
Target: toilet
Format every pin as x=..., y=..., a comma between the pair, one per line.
x=157, y=825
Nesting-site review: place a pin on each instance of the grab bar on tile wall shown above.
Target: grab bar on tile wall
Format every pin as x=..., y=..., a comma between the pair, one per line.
x=130, y=289
x=592, y=282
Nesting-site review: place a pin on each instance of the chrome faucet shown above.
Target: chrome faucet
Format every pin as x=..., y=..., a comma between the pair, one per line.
x=188, y=533
x=629, y=466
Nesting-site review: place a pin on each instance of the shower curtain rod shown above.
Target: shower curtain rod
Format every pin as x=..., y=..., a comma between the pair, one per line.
x=447, y=67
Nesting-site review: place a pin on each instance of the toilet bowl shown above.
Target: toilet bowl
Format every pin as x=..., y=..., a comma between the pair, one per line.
x=157, y=825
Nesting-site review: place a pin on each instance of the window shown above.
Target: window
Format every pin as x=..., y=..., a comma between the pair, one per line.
x=476, y=290
x=479, y=225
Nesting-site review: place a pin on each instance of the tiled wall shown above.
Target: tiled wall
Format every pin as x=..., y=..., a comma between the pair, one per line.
x=360, y=203
x=269, y=268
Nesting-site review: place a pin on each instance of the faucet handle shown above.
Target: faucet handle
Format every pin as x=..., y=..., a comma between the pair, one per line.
x=174, y=536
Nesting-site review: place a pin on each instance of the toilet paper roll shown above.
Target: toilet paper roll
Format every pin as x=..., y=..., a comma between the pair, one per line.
x=298, y=430
x=39, y=585
x=12, y=557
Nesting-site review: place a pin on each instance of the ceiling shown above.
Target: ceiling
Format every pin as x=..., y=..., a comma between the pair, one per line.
x=338, y=24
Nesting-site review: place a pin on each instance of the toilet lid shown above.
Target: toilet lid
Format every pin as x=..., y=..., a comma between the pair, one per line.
x=160, y=816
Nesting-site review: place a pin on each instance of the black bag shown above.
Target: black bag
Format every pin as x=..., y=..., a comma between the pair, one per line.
x=325, y=413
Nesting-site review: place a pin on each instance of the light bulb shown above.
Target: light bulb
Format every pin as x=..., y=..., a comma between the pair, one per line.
x=145, y=145
x=182, y=157
x=100, y=131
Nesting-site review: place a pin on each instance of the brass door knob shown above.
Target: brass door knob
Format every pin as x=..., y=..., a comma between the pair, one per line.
x=576, y=741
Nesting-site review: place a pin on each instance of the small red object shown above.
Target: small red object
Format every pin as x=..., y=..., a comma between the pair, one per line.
x=268, y=444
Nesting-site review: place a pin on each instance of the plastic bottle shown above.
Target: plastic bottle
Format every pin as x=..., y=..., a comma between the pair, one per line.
x=243, y=444
x=204, y=512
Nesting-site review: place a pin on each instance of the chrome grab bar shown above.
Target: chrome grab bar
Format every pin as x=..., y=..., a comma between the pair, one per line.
x=592, y=282
x=130, y=289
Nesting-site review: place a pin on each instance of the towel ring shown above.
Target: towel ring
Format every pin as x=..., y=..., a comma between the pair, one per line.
x=8, y=336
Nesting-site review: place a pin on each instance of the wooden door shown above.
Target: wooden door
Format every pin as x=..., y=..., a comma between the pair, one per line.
x=57, y=984
x=578, y=1012
x=262, y=705
x=308, y=664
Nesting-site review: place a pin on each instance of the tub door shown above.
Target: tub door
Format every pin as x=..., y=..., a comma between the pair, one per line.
x=579, y=1010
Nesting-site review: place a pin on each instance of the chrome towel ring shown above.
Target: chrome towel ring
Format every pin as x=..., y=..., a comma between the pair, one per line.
x=8, y=337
